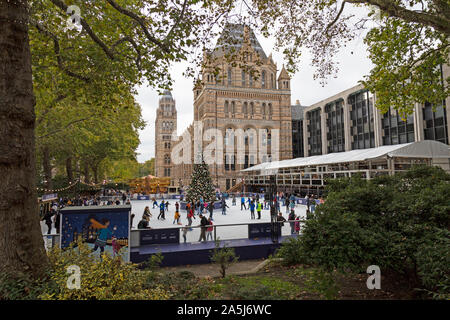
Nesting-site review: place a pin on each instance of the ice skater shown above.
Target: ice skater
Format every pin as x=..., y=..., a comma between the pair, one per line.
x=243, y=203
x=258, y=209
x=161, y=211
x=252, y=210
x=224, y=207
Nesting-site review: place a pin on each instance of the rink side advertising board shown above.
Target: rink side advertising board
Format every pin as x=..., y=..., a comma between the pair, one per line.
x=49, y=197
x=159, y=236
x=261, y=230
x=88, y=222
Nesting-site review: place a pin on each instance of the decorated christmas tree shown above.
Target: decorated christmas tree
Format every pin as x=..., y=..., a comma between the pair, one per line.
x=201, y=184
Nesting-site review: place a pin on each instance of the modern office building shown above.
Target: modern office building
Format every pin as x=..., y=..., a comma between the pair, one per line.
x=345, y=134
x=298, y=147
x=349, y=120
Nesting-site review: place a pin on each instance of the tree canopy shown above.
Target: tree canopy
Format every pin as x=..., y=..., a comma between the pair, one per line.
x=408, y=41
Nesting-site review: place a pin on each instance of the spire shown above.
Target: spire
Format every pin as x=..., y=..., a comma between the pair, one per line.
x=283, y=74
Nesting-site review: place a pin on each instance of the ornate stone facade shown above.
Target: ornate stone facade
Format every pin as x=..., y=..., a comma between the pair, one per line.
x=241, y=92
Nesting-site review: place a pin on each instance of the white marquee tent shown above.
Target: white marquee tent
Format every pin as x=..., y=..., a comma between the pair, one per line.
x=429, y=149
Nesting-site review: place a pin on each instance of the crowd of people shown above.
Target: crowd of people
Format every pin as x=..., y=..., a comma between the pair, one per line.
x=202, y=208
x=106, y=198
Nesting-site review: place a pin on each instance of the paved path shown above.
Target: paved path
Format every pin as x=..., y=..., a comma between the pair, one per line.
x=213, y=270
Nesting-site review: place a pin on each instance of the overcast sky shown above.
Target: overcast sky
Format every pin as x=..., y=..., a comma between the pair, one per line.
x=352, y=68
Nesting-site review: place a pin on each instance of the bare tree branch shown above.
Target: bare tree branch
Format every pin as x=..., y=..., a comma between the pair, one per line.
x=336, y=18
x=440, y=22
x=66, y=126
x=141, y=22
x=56, y=49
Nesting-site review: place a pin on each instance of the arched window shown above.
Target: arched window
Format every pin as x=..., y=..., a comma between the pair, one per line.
x=167, y=159
x=252, y=108
x=248, y=136
x=229, y=137
x=266, y=137
x=263, y=108
x=226, y=107
x=243, y=78
x=271, y=81
x=233, y=109
x=270, y=108
x=263, y=79
x=229, y=76
x=250, y=80
x=244, y=108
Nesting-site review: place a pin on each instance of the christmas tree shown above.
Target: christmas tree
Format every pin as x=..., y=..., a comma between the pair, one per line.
x=201, y=184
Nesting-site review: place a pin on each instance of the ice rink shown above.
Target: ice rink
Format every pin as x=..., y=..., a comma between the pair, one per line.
x=234, y=216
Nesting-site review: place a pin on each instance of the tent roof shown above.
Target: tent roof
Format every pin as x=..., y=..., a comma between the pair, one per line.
x=420, y=149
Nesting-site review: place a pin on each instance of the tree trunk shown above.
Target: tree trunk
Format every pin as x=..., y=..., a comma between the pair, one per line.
x=69, y=169
x=87, y=177
x=95, y=171
x=21, y=243
x=47, y=167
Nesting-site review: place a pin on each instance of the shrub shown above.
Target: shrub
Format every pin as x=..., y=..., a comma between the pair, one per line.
x=224, y=256
x=433, y=261
x=109, y=278
x=19, y=287
x=387, y=221
x=292, y=252
x=154, y=262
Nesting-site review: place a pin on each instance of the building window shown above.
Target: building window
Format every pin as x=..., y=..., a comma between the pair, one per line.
x=435, y=123
x=229, y=137
x=362, y=120
x=270, y=108
x=229, y=76
x=226, y=107
x=233, y=107
x=248, y=137
x=263, y=79
x=315, y=131
x=243, y=78
x=334, y=112
x=167, y=159
x=272, y=82
x=250, y=80
x=244, y=108
x=263, y=108
x=297, y=139
x=167, y=172
x=252, y=108
x=397, y=130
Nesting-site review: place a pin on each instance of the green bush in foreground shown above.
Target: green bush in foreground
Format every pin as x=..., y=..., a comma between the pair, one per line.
x=399, y=223
x=105, y=279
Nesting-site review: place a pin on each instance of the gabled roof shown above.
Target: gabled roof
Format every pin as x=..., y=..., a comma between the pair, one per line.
x=420, y=149
x=233, y=37
x=284, y=74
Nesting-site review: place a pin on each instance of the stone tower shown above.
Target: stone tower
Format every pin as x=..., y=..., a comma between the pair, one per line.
x=244, y=93
x=165, y=125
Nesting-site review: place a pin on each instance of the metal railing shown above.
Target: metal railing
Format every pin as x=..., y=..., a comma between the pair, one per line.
x=240, y=231
x=219, y=232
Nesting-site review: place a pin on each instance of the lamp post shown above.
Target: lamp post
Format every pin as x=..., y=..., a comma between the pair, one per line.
x=273, y=209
